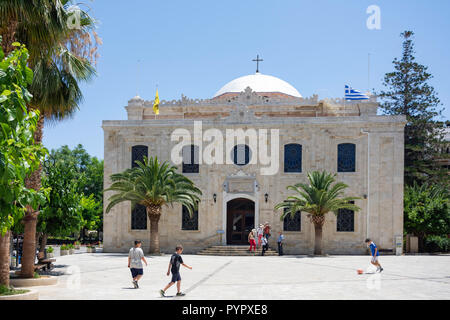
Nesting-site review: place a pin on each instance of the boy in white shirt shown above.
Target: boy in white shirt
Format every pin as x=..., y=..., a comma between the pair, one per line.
x=135, y=258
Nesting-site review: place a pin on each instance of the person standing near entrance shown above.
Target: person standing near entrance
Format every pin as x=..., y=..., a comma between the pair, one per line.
x=259, y=234
x=251, y=240
x=267, y=232
x=135, y=258
x=265, y=245
x=280, y=243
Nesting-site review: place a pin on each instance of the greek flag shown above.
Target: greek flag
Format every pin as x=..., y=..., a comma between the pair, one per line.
x=352, y=94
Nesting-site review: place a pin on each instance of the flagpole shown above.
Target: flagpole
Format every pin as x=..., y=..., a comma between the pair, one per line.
x=345, y=100
x=155, y=99
x=368, y=73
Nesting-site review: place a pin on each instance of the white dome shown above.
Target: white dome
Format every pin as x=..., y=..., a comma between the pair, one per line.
x=259, y=83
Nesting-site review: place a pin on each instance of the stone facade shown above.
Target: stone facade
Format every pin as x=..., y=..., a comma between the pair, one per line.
x=319, y=126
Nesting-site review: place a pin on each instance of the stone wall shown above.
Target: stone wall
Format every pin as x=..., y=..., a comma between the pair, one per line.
x=382, y=189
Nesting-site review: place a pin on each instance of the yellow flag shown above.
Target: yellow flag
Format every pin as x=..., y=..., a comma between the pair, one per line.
x=156, y=103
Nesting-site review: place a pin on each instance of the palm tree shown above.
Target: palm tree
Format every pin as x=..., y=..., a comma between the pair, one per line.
x=60, y=57
x=153, y=185
x=317, y=199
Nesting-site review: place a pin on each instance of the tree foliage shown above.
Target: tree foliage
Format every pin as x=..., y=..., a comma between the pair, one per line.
x=409, y=93
x=322, y=195
x=61, y=215
x=76, y=199
x=153, y=184
x=427, y=210
x=318, y=197
x=18, y=154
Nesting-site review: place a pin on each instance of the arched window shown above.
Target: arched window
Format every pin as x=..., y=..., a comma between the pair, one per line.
x=189, y=222
x=346, y=157
x=241, y=155
x=346, y=220
x=190, y=159
x=137, y=154
x=292, y=223
x=139, y=218
x=293, y=158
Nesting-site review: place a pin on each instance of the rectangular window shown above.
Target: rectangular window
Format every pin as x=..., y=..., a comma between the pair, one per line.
x=346, y=220
x=346, y=157
x=292, y=223
x=137, y=154
x=190, y=159
x=189, y=222
x=293, y=158
x=139, y=218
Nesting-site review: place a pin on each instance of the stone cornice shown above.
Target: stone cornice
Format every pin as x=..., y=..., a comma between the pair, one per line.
x=349, y=120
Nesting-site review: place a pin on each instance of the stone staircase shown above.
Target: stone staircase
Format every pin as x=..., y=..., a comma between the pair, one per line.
x=234, y=251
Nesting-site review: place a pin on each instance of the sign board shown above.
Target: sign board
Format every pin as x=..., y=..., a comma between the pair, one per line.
x=398, y=245
x=220, y=231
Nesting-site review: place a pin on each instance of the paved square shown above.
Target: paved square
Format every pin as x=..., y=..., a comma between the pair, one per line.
x=106, y=276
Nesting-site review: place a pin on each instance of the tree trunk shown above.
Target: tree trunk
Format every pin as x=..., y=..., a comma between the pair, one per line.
x=29, y=245
x=43, y=242
x=9, y=36
x=4, y=259
x=33, y=181
x=154, y=214
x=318, y=222
x=317, y=240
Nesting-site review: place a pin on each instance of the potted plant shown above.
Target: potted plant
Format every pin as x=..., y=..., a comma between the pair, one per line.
x=71, y=248
x=64, y=250
x=91, y=248
x=77, y=245
x=50, y=253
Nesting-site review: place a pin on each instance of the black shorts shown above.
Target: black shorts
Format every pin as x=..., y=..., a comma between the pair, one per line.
x=136, y=272
x=176, y=277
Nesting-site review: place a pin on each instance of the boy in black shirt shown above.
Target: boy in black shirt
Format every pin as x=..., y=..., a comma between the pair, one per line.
x=174, y=267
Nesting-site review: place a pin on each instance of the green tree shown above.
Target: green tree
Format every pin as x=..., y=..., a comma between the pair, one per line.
x=18, y=154
x=88, y=183
x=409, y=93
x=426, y=211
x=153, y=185
x=62, y=213
x=317, y=198
x=60, y=57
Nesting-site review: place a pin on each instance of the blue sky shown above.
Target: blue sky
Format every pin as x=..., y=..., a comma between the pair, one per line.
x=195, y=47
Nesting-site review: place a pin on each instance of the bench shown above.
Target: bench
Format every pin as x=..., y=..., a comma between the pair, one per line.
x=47, y=262
x=40, y=267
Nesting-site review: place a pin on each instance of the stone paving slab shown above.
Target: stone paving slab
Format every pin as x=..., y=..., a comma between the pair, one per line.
x=106, y=276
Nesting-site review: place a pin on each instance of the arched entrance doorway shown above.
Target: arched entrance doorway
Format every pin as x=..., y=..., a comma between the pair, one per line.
x=240, y=220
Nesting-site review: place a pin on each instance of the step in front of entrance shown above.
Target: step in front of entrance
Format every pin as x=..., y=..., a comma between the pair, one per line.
x=234, y=251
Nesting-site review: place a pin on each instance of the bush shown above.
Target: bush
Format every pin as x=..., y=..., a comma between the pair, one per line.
x=49, y=250
x=64, y=247
x=437, y=244
x=5, y=291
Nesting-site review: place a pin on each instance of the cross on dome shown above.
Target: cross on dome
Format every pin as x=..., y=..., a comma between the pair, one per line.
x=257, y=60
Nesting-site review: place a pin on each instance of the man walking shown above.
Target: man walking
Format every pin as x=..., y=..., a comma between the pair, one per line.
x=280, y=243
x=135, y=258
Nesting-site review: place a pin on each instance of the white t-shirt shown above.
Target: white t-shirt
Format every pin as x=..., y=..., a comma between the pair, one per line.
x=136, y=254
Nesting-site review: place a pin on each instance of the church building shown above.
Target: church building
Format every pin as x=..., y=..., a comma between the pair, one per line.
x=298, y=135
